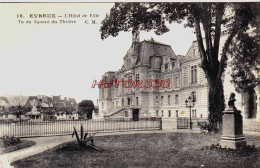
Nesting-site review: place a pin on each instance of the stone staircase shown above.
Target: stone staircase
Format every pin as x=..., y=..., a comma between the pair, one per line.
x=114, y=112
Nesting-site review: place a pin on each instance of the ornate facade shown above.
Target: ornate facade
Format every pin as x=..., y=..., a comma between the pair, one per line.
x=151, y=60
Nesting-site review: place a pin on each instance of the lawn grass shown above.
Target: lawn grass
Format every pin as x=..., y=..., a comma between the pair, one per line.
x=144, y=150
x=23, y=144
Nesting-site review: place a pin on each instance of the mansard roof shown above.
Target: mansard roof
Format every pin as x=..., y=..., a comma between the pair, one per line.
x=140, y=53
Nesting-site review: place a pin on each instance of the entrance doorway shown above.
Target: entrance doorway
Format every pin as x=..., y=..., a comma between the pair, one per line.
x=136, y=114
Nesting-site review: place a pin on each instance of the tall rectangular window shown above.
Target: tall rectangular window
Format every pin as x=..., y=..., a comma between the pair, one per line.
x=122, y=102
x=169, y=113
x=137, y=80
x=169, y=99
x=128, y=101
x=161, y=100
x=177, y=113
x=126, y=113
x=173, y=64
x=122, y=84
x=103, y=93
x=176, y=99
x=194, y=113
x=116, y=92
x=129, y=83
x=193, y=95
x=194, y=52
x=157, y=99
x=176, y=82
x=137, y=102
x=166, y=67
x=192, y=77
x=170, y=80
x=194, y=74
x=162, y=113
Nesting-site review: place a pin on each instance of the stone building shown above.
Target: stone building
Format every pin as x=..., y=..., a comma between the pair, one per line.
x=151, y=60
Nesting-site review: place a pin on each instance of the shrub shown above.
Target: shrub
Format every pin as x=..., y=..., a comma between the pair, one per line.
x=7, y=141
x=84, y=139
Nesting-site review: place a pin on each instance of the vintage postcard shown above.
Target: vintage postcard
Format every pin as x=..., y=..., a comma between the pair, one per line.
x=129, y=84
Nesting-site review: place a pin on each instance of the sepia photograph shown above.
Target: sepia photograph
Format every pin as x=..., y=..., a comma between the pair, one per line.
x=129, y=84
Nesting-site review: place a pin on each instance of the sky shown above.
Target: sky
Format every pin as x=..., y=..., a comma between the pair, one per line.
x=64, y=59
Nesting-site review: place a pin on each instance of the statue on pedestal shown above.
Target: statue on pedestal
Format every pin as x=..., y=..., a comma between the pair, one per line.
x=231, y=102
x=232, y=132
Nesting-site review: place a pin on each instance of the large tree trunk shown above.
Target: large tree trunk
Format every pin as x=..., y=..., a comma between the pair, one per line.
x=216, y=103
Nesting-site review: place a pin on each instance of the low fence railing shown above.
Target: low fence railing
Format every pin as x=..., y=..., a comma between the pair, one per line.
x=58, y=127
x=184, y=122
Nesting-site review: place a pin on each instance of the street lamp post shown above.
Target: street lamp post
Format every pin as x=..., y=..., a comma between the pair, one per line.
x=189, y=104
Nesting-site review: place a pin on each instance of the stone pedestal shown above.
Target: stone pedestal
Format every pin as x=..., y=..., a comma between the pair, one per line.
x=232, y=136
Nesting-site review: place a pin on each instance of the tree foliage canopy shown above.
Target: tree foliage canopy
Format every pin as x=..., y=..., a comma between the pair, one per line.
x=246, y=60
x=86, y=107
x=18, y=110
